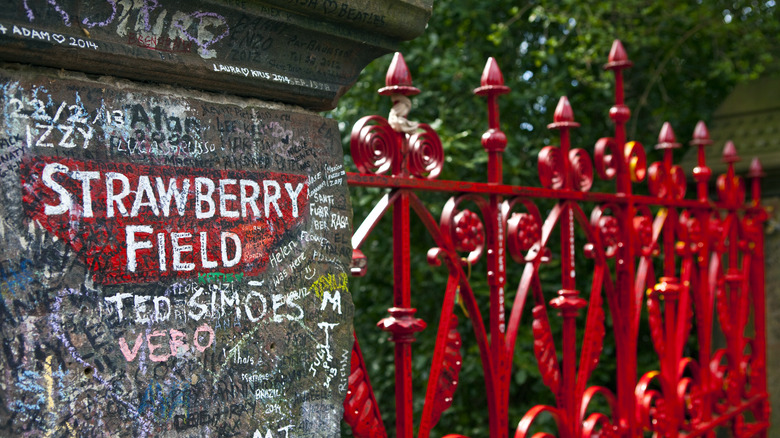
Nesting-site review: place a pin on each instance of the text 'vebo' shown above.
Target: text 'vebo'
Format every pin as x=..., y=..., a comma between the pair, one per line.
x=139, y=223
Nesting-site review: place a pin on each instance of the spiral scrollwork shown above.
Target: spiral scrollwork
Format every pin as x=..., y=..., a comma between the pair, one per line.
x=605, y=155
x=643, y=230
x=732, y=191
x=663, y=185
x=426, y=154
x=551, y=170
x=716, y=233
x=464, y=227
x=524, y=426
x=719, y=378
x=689, y=234
x=524, y=232
x=689, y=393
x=650, y=404
x=469, y=233
x=581, y=170
x=656, y=180
x=678, y=183
x=598, y=424
x=608, y=228
x=634, y=154
x=374, y=145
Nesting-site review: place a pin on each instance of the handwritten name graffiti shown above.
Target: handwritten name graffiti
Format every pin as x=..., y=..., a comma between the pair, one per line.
x=134, y=223
x=218, y=277
x=162, y=401
x=275, y=77
x=323, y=358
x=171, y=30
x=174, y=340
x=162, y=44
x=329, y=287
x=51, y=37
x=133, y=129
x=212, y=303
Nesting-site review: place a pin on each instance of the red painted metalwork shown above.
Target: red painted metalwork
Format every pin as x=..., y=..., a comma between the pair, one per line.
x=709, y=255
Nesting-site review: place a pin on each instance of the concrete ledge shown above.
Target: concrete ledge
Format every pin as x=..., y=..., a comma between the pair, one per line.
x=304, y=52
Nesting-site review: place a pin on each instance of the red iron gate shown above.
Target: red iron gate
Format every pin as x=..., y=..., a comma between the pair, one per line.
x=682, y=261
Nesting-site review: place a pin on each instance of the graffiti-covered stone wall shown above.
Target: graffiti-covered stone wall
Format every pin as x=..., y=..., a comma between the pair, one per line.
x=170, y=264
x=174, y=232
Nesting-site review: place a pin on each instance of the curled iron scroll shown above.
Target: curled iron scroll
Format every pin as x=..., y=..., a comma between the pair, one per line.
x=426, y=154
x=608, y=227
x=374, y=145
x=580, y=170
x=524, y=231
x=464, y=227
x=551, y=170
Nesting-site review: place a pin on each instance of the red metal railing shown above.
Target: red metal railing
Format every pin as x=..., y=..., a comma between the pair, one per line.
x=682, y=261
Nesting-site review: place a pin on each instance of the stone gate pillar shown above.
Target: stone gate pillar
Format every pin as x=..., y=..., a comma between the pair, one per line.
x=174, y=218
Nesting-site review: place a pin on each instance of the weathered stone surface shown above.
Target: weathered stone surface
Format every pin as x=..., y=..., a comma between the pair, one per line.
x=172, y=263
x=306, y=52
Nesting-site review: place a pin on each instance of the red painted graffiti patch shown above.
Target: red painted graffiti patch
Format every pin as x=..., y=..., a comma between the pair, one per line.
x=136, y=223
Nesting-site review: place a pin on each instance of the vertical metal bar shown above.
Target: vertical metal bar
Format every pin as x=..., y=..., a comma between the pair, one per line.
x=733, y=274
x=402, y=299
x=494, y=142
x=401, y=323
x=669, y=284
x=625, y=338
x=568, y=300
x=702, y=174
x=757, y=276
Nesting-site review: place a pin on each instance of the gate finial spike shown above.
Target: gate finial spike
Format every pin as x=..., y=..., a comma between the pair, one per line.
x=756, y=170
x=493, y=140
x=398, y=79
x=563, y=112
x=492, y=81
x=701, y=136
x=755, y=174
x=730, y=153
x=619, y=112
x=492, y=75
x=564, y=115
x=666, y=138
x=617, y=57
x=702, y=173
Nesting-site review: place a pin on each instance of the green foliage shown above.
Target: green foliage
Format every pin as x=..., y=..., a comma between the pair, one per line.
x=687, y=57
